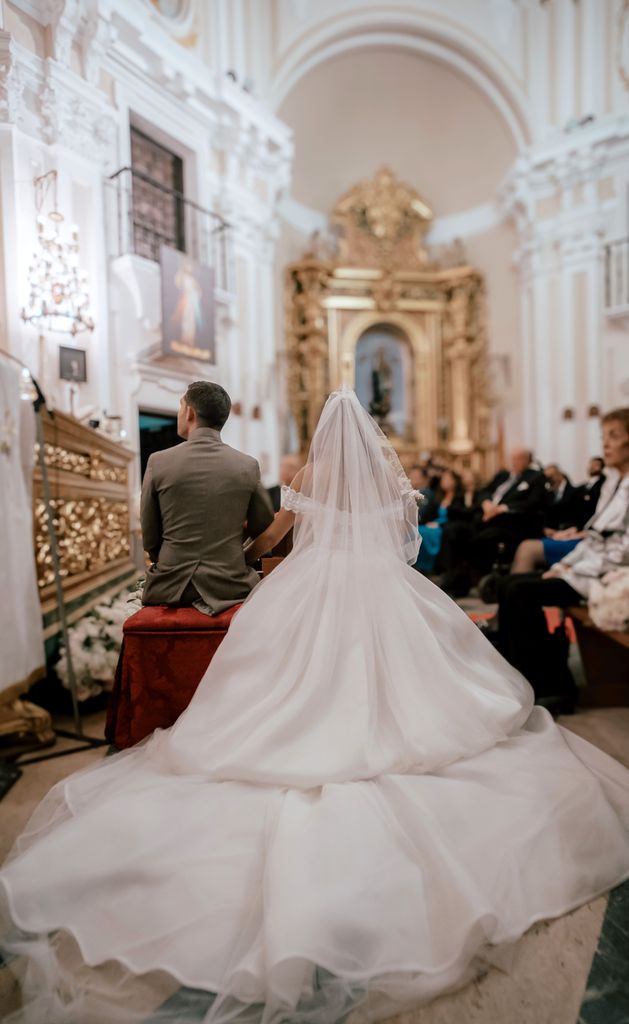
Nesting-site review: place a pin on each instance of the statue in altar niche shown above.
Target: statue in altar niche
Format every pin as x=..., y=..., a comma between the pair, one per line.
x=383, y=378
x=381, y=387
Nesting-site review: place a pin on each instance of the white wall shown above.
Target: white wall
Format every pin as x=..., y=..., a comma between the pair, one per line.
x=74, y=77
x=477, y=104
x=474, y=102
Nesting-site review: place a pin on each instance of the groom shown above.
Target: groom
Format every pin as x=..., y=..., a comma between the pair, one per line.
x=196, y=499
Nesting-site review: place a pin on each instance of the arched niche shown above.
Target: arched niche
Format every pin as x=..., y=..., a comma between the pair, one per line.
x=412, y=334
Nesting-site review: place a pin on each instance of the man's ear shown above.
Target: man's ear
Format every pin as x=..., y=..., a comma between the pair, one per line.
x=190, y=414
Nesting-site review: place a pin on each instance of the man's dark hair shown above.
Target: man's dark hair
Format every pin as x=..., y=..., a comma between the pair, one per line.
x=210, y=402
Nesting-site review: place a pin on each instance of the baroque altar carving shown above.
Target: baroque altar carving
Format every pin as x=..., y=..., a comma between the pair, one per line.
x=402, y=324
x=88, y=475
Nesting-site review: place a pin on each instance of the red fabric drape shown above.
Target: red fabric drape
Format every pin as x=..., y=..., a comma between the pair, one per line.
x=165, y=652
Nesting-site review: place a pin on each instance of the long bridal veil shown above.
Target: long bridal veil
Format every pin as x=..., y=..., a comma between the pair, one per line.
x=360, y=804
x=354, y=494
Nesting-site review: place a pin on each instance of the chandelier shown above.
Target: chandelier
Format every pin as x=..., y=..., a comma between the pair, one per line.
x=58, y=298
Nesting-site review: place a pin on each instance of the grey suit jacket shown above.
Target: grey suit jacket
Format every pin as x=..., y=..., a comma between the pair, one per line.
x=196, y=498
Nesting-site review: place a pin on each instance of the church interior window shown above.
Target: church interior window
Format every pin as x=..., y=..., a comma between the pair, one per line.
x=158, y=200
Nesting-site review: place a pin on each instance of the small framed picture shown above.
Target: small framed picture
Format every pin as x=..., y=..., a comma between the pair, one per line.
x=72, y=364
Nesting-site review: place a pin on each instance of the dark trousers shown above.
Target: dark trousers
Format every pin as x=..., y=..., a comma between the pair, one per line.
x=492, y=544
x=189, y=595
x=453, y=558
x=523, y=635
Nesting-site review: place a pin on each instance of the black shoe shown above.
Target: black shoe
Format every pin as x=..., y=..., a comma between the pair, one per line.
x=558, y=704
x=454, y=586
x=488, y=588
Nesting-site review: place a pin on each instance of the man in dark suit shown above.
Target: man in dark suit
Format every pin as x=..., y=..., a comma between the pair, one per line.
x=196, y=499
x=511, y=508
x=585, y=497
x=561, y=493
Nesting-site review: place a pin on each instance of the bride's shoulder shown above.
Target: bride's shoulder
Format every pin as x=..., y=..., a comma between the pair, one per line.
x=292, y=499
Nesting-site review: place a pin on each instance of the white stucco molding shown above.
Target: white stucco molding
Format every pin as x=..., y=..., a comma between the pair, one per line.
x=427, y=33
x=565, y=160
x=49, y=101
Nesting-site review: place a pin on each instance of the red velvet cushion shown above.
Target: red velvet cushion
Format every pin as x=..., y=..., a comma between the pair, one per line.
x=161, y=617
x=165, y=654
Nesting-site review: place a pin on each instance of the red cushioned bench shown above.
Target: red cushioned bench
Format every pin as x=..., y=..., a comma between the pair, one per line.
x=165, y=652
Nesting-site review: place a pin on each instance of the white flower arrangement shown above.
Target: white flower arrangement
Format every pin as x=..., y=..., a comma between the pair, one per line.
x=608, y=603
x=95, y=642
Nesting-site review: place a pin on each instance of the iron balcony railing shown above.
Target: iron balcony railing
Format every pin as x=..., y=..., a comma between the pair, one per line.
x=148, y=214
x=617, y=275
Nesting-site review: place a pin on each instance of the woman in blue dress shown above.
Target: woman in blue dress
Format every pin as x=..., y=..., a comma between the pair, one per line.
x=433, y=517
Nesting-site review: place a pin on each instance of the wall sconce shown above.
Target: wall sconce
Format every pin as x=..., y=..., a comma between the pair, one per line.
x=567, y=414
x=594, y=411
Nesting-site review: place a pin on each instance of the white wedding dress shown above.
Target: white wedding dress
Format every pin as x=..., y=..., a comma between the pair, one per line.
x=361, y=807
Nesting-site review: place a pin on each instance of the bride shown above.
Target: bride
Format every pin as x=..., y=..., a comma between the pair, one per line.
x=360, y=806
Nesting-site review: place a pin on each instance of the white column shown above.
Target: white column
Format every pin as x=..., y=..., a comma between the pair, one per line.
x=595, y=350
x=567, y=381
x=221, y=25
x=540, y=64
x=565, y=63
x=544, y=438
x=527, y=386
x=237, y=32
x=592, y=57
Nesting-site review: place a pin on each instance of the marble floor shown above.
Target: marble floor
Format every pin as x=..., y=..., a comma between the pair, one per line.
x=574, y=970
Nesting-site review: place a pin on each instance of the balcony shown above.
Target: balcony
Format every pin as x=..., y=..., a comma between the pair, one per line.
x=145, y=214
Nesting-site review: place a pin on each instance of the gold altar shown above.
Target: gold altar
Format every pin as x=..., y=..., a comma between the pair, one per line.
x=383, y=288
x=88, y=475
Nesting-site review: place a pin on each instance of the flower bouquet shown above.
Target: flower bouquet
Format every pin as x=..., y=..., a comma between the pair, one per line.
x=608, y=604
x=95, y=642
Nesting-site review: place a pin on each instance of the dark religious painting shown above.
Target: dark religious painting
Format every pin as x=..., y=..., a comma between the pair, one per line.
x=187, y=307
x=72, y=364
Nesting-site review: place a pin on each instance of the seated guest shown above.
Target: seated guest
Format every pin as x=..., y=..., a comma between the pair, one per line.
x=511, y=508
x=196, y=498
x=448, y=497
x=435, y=469
x=456, y=539
x=420, y=481
x=522, y=633
x=557, y=543
x=558, y=513
x=587, y=494
x=469, y=488
x=289, y=467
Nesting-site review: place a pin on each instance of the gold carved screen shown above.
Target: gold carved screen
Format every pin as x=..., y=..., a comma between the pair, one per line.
x=89, y=485
x=405, y=329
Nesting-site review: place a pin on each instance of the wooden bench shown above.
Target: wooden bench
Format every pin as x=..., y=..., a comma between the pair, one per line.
x=605, y=658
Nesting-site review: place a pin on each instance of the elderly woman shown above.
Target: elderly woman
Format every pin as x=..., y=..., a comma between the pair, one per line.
x=523, y=637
